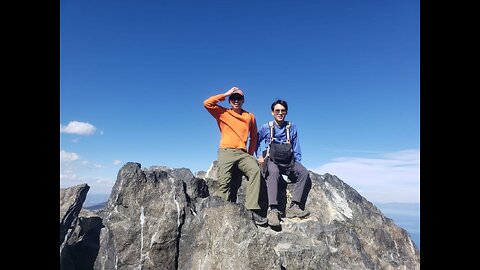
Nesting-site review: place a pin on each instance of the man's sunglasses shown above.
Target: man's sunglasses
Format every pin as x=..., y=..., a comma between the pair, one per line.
x=236, y=97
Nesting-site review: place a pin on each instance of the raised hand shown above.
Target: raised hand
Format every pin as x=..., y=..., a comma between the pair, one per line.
x=229, y=92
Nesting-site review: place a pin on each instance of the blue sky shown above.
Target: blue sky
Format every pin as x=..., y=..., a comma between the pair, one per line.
x=134, y=75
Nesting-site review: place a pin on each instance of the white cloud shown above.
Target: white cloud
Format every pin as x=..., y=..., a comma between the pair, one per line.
x=68, y=176
x=68, y=157
x=116, y=162
x=80, y=128
x=392, y=177
x=75, y=171
x=97, y=184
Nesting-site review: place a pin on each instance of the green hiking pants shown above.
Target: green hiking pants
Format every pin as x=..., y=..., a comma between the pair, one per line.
x=232, y=163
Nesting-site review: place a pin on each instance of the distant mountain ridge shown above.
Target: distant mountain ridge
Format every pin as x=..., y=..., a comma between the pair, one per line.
x=97, y=206
x=95, y=198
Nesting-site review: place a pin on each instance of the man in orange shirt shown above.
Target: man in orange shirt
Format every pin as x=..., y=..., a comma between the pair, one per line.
x=236, y=125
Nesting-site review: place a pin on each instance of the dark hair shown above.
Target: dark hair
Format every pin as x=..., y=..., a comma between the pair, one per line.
x=281, y=102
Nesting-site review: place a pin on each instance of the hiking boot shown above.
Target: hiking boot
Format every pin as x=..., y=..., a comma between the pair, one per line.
x=259, y=220
x=273, y=218
x=295, y=211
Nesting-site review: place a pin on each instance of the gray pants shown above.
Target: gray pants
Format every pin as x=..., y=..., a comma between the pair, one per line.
x=298, y=175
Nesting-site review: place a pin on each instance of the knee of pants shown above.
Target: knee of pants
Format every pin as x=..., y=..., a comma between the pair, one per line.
x=302, y=172
x=253, y=175
x=273, y=172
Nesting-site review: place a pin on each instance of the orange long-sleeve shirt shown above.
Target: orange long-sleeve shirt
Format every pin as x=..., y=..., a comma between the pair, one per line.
x=234, y=127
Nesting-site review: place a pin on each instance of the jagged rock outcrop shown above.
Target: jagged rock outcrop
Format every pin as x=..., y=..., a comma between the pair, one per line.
x=79, y=230
x=144, y=217
x=163, y=218
x=71, y=202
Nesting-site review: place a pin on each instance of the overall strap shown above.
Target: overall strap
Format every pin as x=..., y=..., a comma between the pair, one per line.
x=288, y=131
x=272, y=130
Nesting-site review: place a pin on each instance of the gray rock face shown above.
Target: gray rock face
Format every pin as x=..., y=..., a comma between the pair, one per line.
x=143, y=218
x=71, y=201
x=162, y=218
x=79, y=229
x=222, y=236
x=344, y=231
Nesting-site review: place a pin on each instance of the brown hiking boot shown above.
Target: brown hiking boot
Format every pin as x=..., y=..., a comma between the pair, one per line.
x=273, y=217
x=257, y=218
x=295, y=211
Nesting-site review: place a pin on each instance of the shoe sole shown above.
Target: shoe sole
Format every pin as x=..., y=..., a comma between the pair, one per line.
x=294, y=216
x=260, y=223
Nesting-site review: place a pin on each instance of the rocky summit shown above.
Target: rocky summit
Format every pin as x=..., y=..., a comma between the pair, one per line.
x=164, y=218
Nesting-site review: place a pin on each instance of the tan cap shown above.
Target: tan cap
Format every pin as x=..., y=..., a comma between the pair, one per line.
x=238, y=91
